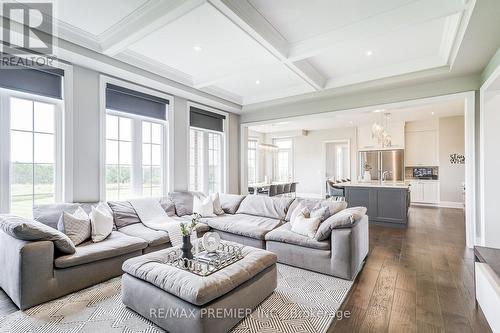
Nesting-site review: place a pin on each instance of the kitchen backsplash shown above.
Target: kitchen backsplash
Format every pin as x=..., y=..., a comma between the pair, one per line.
x=409, y=172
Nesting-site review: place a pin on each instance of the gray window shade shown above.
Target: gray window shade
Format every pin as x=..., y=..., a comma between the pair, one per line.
x=135, y=102
x=45, y=82
x=206, y=119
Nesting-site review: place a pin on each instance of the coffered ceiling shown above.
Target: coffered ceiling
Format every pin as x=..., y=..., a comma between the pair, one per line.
x=250, y=51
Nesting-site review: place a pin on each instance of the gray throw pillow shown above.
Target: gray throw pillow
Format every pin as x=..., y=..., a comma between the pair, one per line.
x=76, y=226
x=30, y=230
x=230, y=202
x=183, y=201
x=167, y=205
x=344, y=218
x=333, y=207
x=123, y=213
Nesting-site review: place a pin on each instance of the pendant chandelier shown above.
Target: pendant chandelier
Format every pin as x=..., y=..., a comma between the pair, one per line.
x=379, y=131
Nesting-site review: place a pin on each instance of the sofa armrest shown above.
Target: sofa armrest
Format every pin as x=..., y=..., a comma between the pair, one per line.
x=349, y=248
x=26, y=267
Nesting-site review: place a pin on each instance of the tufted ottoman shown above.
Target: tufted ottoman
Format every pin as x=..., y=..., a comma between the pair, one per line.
x=180, y=301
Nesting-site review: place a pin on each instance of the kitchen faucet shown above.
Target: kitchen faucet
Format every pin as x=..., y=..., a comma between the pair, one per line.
x=384, y=175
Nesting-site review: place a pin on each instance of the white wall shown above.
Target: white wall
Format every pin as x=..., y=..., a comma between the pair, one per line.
x=451, y=141
x=309, y=164
x=85, y=135
x=86, y=139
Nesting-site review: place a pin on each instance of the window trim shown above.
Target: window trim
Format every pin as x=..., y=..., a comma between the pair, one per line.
x=225, y=143
x=290, y=157
x=257, y=169
x=168, y=137
x=59, y=134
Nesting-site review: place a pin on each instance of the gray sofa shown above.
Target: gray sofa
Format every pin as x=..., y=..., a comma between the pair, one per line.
x=35, y=272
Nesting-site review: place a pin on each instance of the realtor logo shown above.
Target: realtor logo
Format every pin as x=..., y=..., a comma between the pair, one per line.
x=27, y=28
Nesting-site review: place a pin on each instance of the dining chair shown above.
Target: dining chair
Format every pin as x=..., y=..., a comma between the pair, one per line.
x=293, y=189
x=279, y=189
x=273, y=190
x=286, y=188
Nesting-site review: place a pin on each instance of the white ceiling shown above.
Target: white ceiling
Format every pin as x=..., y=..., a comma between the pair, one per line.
x=357, y=118
x=250, y=51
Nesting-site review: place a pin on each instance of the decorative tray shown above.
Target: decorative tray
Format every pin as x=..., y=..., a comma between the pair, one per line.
x=205, y=263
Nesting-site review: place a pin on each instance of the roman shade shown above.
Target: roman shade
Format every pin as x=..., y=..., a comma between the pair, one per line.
x=135, y=102
x=42, y=81
x=206, y=119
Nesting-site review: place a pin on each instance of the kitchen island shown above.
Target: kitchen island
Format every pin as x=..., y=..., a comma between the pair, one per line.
x=387, y=202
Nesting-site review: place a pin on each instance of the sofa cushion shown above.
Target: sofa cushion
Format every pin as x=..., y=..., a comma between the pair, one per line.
x=49, y=214
x=30, y=230
x=230, y=202
x=183, y=201
x=284, y=234
x=167, y=205
x=271, y=207
x=123, y=213
x=76, y=226
x=153, y=237
x=333, y=206
x=342, y=219
x=115, y=245
x=245, y=225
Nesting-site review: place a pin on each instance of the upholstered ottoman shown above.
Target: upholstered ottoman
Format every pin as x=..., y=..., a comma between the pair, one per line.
x=180, y=301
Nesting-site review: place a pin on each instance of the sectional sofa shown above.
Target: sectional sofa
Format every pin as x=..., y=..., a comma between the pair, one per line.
x=35, y=272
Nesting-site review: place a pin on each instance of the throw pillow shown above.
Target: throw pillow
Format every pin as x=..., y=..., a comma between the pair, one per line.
x=101, y=221
x=76, y=226
x=342, y=219
x=217, y=205
x=123, y=213
x=203, y=206
x=332, y=206
x=30, y=230
x=306, y=226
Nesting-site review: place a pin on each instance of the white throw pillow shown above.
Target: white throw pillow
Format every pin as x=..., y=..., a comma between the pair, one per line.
x=101, y=221
x=204, y=207
x=306, y=226
x=297, y=211
x=217, y=205
x=76, y=226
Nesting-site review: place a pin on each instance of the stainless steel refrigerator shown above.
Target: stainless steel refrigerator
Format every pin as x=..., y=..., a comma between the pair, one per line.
x=379, y=161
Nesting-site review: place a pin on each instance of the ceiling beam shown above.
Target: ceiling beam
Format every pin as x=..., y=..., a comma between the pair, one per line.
x=413, y=13
x=245, y=16
x=152, y=16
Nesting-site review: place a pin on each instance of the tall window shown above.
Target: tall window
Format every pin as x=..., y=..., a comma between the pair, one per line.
x=205, y=161
x=118, y=157
x=134, y=158
x=283, y=163
x=252, y=161
x=35, y=170
x=152, y=138
x=136, y=128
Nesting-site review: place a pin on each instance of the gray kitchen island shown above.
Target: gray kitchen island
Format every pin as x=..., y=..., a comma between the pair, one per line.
x=387, y=202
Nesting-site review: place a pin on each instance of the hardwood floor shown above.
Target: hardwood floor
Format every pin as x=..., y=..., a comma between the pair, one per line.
x=418, y=279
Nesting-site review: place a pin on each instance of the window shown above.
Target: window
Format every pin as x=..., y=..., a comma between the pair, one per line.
x=135, y=159
x=205, y=161
x=283, y=171
x=34, y=153
x=252, y=161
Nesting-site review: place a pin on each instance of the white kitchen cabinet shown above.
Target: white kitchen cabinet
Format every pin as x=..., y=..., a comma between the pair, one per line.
x=424, y=192
x=421, y=148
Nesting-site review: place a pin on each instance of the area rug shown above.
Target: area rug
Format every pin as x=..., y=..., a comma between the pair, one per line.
x=303, y=302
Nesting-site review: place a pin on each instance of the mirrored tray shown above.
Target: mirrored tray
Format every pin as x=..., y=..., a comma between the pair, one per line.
x=205, y=263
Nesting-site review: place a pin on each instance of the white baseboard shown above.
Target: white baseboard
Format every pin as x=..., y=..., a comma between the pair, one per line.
x=451, y=204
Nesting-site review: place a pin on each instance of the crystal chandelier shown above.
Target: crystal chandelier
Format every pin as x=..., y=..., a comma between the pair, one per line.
x=379, y=131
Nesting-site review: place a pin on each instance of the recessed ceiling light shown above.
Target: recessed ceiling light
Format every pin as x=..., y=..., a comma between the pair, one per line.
x=369, y=53
x=350, y=122
x=197, y=48
x=432, y=113
x=379, y=110
x=257, y=82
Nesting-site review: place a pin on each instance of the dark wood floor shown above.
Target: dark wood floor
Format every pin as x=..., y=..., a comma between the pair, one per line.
x=418, y=279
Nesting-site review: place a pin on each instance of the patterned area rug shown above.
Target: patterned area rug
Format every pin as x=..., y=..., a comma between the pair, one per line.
x=303, y=302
